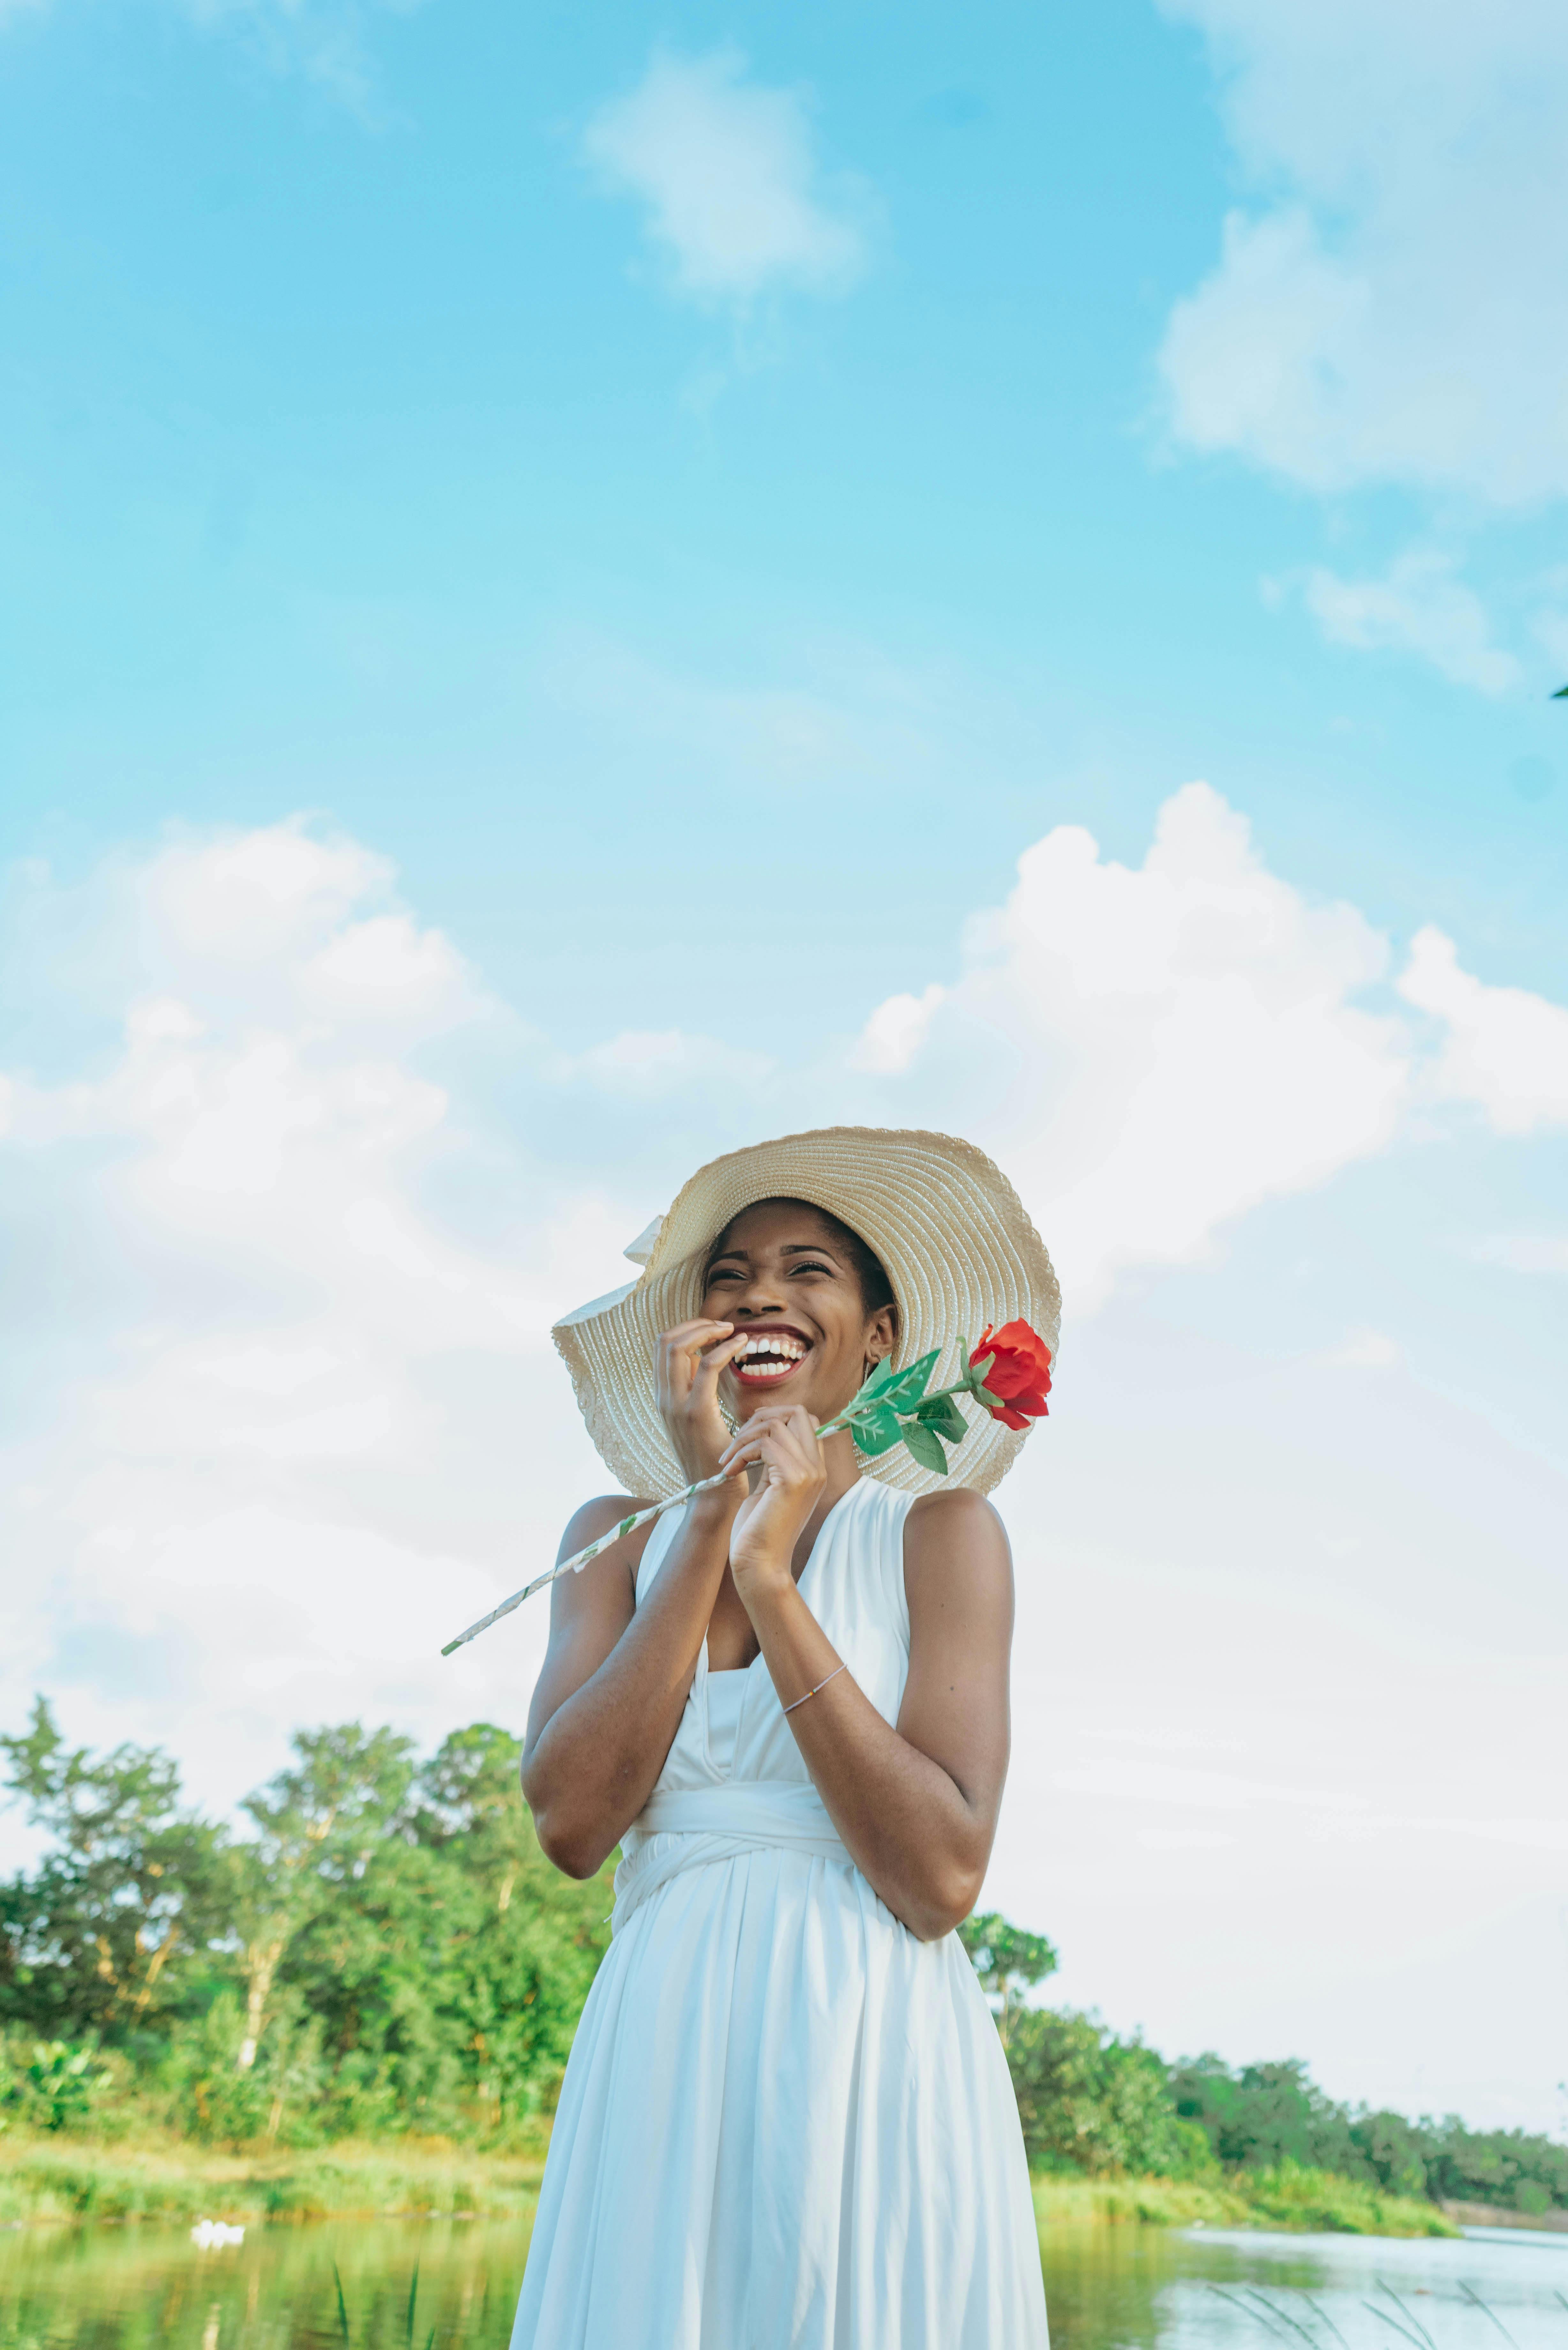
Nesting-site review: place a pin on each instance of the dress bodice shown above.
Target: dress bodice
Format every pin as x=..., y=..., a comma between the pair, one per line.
x=853, y=1585
x=735, y=1776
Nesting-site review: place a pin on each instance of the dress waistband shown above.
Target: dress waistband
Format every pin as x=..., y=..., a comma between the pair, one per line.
x=764, y=1811
x=685, y=1827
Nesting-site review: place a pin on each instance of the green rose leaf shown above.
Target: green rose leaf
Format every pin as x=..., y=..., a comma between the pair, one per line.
x=975, y=1377
x=942, y=1413
x=925, y=1446
x=909, y=1385
x=878, y=1431
x=877, y=1383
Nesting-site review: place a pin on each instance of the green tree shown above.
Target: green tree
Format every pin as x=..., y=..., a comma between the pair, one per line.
x=1260, y=2116
x=1509, y=2167
x=1009, y=1962
x=1089, y=2101
x=318, y=1824
x=113, y=1933
x=525, y=1941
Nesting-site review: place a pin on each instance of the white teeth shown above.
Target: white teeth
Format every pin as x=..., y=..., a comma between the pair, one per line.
x=790, y=1349
x=771, y=1358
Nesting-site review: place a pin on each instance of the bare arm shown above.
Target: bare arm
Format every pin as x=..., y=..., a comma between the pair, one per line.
x=615, y=1676
x=917, y=1804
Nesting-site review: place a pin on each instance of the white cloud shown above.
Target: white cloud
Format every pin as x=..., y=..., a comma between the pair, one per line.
x=727, y=168
x=386, y=969
x=1153, y=1051
x=326, y=41
x=1364, y=1350
x=281, y=1378
x=1386, y=311
x=323, y=40
x=244, y=898
x=271, y=1370
x=895, y=1032
x=1505, y=1049
x=1216, y=1790
x=1526, y=1252
x=644, y=1063
x=1421, y=607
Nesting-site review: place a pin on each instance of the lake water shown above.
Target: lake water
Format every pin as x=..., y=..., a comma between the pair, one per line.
x=455, y=2283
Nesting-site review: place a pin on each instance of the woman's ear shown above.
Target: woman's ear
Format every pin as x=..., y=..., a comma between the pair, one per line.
x=881, y=1334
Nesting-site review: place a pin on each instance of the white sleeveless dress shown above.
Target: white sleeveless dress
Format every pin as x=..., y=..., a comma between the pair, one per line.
x=786, y=2123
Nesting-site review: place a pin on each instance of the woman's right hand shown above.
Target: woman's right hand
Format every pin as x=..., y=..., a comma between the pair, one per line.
x=687, y=1364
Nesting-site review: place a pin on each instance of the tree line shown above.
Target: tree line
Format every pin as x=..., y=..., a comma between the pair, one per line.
x=385, y=1950
x=1091, y=2101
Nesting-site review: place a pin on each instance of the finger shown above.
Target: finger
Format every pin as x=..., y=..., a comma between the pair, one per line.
x=678, y=1363
x=685, y=1339
x=690, y=1337
x=771, y=1448
x=744, y=1446
x=752, y=1429
x=715, y=1357
x=763, y=1453
x=766, y=1415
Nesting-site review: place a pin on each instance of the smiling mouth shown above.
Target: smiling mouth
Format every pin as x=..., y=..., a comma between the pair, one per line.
x=767, y=1357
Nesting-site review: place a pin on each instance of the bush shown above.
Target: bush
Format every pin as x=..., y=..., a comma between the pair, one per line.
x=1260, y=2116
x=51, y=2085
x=1093, y=2102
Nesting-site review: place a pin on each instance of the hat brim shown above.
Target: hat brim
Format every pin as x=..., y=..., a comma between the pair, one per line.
x=959, y=1249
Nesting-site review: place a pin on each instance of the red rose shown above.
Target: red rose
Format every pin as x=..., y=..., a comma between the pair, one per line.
x=1019, y=1379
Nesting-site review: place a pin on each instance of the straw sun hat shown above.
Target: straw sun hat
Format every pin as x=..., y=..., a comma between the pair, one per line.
x=951, y=1230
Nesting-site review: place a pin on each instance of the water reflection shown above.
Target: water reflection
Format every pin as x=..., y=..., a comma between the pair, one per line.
x=436, y=2285
x=1148, y=2289
x=412, y=2284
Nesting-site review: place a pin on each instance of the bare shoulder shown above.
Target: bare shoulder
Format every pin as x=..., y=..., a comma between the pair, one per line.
x=953, y=1522
x=958, y=1567
x=957, y=1581
x=596, y=1604
x=596, y=1519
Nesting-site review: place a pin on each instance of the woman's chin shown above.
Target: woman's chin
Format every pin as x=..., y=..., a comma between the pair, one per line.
x=806, y=1393
x=796, y=1387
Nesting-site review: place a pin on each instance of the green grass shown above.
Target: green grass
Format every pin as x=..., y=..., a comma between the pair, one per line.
x=51, y=2179
x=59, y=2178
x=1313, y=2201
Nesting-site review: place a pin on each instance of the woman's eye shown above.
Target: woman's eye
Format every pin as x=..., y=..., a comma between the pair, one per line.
x=827, y=1269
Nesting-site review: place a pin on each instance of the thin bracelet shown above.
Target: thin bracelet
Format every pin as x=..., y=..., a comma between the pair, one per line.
x=833, y=1675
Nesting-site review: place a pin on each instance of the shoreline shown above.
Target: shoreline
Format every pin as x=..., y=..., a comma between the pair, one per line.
x=55, y=2182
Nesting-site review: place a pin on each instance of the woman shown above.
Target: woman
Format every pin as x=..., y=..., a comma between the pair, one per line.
x=787, y=2122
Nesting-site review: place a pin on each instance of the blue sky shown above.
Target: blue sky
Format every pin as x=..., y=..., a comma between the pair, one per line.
x=559, y=564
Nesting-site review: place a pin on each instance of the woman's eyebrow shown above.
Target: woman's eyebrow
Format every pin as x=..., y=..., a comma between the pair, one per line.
x=805, y=1248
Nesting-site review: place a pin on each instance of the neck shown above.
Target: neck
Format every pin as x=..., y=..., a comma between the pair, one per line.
x=843, y=1471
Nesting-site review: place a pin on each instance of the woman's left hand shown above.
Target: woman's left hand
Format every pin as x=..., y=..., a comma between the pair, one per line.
x=781, y=1441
